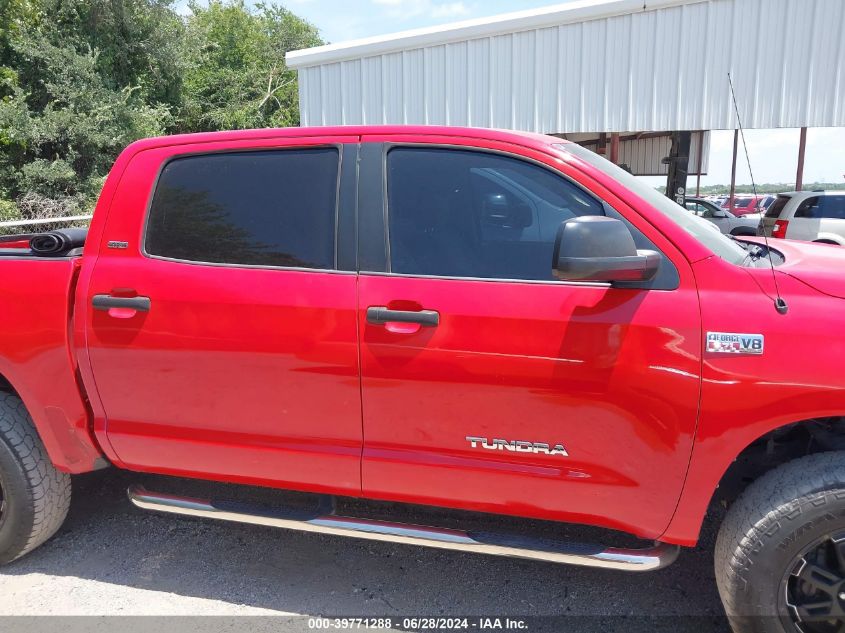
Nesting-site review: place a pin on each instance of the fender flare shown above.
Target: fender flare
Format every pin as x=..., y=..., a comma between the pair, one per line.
x=710, y=460
x=69, y=445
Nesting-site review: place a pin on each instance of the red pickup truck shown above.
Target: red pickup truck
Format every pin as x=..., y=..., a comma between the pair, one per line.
x=478, y=320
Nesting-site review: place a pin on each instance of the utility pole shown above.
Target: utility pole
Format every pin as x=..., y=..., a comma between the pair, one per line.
x=678, y=161
x=733, y=171
x=802, y=148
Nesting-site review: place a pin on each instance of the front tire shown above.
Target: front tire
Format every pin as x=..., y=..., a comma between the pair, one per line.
x=780, y=553
x=34, y=496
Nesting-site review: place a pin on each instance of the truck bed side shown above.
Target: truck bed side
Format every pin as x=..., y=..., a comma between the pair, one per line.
x=36, y=358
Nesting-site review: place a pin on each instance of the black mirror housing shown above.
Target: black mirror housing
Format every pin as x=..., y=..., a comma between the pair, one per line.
x=600, y=249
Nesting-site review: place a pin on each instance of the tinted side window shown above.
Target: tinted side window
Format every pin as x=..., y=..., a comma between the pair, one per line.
x=809, y=209
x=833, y=207
x=457, y=213
x=267, y=208
x=777, y=206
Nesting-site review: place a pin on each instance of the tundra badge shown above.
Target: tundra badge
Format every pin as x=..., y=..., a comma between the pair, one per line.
x=727, y=343
x=518, y=446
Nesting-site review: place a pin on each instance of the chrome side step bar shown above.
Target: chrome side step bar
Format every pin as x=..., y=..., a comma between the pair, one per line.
x=657, y=557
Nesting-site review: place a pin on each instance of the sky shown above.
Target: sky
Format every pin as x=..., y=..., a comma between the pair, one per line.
x=773, y=153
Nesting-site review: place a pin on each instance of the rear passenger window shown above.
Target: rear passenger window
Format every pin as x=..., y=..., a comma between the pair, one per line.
x=776, y=207
x=810, y=208
x=264, y=208
x=457, y=213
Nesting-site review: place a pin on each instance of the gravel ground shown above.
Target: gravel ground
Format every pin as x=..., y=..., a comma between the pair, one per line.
x=112, y=559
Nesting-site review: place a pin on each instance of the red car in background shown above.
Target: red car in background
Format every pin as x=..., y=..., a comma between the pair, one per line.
x=744, y=205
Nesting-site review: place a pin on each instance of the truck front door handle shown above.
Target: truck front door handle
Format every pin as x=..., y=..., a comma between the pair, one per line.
x=380, y=315
x=108, y=302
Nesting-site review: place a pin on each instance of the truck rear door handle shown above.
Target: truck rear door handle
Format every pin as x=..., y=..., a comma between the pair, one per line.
x=108, y=302
x=380, y=315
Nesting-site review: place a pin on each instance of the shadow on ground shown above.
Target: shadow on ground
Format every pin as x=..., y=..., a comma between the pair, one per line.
x=154, y=561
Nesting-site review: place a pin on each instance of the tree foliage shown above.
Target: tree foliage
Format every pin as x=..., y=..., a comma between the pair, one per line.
x=81, y=79
x=235, y=75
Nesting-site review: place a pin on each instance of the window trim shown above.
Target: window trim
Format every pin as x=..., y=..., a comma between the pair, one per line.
x=249, y=150
x=387, y=146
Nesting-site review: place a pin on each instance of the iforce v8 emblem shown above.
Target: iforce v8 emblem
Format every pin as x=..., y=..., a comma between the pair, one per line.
x=728, y=343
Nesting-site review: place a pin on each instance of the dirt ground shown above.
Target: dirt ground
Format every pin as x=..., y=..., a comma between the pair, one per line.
x=111, y=559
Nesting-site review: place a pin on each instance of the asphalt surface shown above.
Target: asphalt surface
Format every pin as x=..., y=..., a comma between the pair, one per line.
x=112, y=559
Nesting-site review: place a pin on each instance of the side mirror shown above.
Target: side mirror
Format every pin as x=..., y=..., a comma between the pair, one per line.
x=598, y=248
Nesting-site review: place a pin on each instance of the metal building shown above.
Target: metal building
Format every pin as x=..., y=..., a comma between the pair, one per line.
x=595, y=68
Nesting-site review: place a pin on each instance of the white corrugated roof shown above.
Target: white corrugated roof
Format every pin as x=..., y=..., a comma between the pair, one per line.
x=593, y=66
x=555, y=15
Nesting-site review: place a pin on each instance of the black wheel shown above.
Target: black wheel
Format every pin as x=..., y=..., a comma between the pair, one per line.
x=814, y=589
x=34, y=496
x=780, y=553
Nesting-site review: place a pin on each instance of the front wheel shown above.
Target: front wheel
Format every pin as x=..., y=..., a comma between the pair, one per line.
x=34, y=496
x=780, y=553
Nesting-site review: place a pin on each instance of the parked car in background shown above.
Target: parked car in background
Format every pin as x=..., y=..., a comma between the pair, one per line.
x=765, y=202
x=726, y=221
x=742, y=205
x=813, y=216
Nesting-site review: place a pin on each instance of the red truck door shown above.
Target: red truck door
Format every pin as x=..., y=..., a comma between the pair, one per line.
x=222, y=336
x=489, y=385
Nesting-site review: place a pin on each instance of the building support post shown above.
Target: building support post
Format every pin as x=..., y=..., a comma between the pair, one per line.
x=614, y=148
x=698, y=166
x=733, y=172
x=678, y=161
x=802, y=146
x=601, y=150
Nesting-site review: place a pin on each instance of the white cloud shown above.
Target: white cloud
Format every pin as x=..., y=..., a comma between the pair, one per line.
x=406, y=9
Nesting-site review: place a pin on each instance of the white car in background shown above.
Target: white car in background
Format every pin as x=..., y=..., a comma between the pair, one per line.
x=812, y=216
x=724, y=220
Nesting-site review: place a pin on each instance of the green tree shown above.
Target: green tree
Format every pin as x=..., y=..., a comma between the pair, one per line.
x=236, y=75
x=138, y=42
x=81, y=79
x=62, y=125
x=85, y=78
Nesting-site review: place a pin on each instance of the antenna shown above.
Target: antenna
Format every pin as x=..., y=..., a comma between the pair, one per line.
x=780, y=304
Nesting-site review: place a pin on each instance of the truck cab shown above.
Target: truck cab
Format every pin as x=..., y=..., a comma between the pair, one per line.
x=472, y=319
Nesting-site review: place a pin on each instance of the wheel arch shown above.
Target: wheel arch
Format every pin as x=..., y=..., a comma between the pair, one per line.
x=778, y=446
x=69, y=446
x=829, y=238
x=715, y=478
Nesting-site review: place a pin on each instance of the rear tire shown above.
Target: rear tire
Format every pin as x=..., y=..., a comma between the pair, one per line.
x=34, y=496
x=780, y=553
